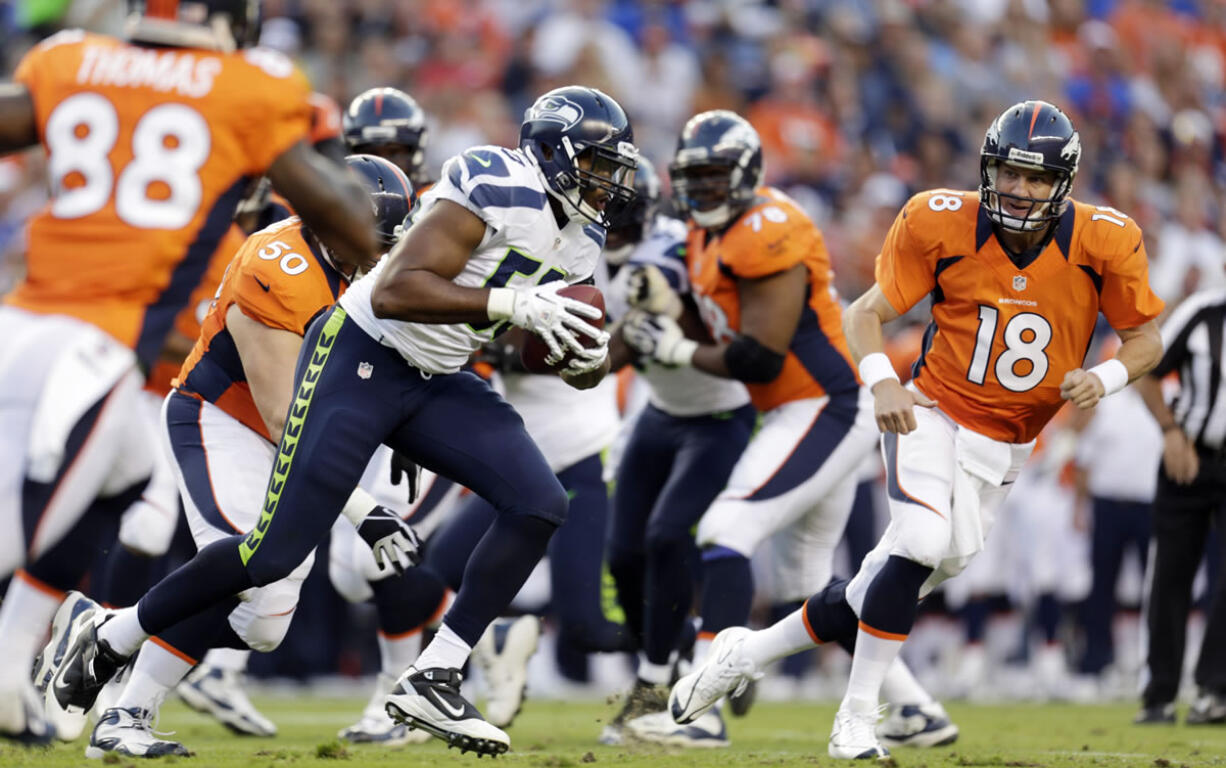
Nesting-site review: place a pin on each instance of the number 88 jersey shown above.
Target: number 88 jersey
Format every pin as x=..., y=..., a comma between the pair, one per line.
x=148, y=152
x=1002, y=335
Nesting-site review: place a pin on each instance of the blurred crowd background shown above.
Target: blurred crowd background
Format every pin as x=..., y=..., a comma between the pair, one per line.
x=859, y=103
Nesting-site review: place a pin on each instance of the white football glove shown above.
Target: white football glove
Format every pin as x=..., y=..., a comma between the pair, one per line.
x=648, y=290
x=556, y=319
x=658, y=337
x=586, y=361
x=392, y=540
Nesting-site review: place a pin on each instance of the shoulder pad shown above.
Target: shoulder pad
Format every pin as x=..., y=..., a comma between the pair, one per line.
x=1106, y=233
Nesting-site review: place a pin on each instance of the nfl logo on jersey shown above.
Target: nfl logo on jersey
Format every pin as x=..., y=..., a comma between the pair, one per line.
x=1019, y=282
x=364, y=370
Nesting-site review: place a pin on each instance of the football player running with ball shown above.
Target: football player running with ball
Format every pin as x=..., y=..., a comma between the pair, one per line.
x=1018, y=274
x=496, y=238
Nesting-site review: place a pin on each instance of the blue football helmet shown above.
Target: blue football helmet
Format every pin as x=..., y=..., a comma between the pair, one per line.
x=391, y=194
x=630, y=226
x=581, y=141
x=1034, y=135
x=389, y=123
x=717, y=167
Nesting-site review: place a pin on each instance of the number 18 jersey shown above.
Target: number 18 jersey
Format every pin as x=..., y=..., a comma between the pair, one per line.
x=1002, y=336
x=148, y=152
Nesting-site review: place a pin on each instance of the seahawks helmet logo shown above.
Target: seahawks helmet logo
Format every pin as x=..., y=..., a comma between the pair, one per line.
x=558, y=109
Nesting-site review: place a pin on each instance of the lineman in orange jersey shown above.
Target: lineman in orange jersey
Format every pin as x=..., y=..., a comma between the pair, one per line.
x=150, y=141
x=762, y=283
x=231, y=396
x=388, y=123
x=1018, y=274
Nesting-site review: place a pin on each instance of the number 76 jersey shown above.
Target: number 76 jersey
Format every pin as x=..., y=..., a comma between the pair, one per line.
x=148, y=152
x=1002, y=336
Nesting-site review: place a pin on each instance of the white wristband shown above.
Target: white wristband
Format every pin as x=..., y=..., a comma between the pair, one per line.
x=501, y=303
x=1113, y=374
x=876, y=367
x=358, y=506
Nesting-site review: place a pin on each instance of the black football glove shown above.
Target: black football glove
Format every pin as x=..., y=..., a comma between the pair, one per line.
x=392, y=540
x=403, y=466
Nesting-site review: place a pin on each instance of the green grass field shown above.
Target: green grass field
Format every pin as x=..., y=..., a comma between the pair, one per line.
x=562, y=734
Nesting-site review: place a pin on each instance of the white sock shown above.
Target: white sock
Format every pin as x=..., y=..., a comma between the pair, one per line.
x=123, y=632
x=785, y=637
x=229, y=659
x=157, y=671
x=901, y=687
x=25, y=615
x=656, y=674
x=397, y=652
x=446, y=651
x=869, y=665
x=702, y=646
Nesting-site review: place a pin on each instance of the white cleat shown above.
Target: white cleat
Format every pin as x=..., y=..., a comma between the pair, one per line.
x=219, y=692
x=854, y=736
x=505, y=666
x=724, y=671
x=917, y=725
x=707, y=731
x=129, y=732
x=376, y=727
x=22, y=719
x=74, y=666
x=430, y=700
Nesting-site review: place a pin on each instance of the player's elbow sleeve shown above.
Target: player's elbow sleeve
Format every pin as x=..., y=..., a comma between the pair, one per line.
x=748, y=360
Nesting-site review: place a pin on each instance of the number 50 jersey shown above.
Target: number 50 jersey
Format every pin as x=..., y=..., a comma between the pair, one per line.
x=148, y=152
x=523, y=245
x=1002, y=336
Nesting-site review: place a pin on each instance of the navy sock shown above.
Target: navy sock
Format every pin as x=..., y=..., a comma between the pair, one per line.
x=727, y=589
x=975, y=618
x=213, y=575
x=407, y=602
x=125, y=577
x=831, y=618
x=498, y=567
x=670, y=594
x=1047, y=616
x=210, y=628
x=892, y=600
x=628, y=571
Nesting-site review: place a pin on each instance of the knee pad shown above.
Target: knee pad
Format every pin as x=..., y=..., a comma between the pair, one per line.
x=264, y=616
x=923, y=537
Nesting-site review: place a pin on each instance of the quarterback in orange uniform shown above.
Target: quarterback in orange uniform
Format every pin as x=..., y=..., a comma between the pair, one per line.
x=1018, y=274
x=762, y=283
x=150, y=142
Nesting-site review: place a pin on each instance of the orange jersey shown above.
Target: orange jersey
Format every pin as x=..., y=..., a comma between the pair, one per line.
x=772, y=236
x=278, y=278
x=187, y=323
x=1002, y=338
x=149, y=150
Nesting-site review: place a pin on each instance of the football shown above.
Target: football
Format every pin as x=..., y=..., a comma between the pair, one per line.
x=534, y=351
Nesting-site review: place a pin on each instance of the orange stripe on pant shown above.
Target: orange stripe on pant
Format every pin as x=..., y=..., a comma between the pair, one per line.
x=174, y=651
x=804, y=616
x=882, y=634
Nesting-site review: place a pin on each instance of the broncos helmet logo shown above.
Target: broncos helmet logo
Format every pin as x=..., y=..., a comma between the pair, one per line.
x=558, y=109
x=1072, y=150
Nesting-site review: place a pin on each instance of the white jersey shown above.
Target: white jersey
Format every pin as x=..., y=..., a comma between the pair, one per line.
x=567, y=424
x=678, y=391
x=523, y=245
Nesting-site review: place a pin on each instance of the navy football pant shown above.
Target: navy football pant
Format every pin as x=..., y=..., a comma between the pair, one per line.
x=353, y=394
x=576, y=557
x=671, y=471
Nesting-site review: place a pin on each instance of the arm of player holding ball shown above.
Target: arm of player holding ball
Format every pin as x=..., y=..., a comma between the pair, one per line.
x=770, y=312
